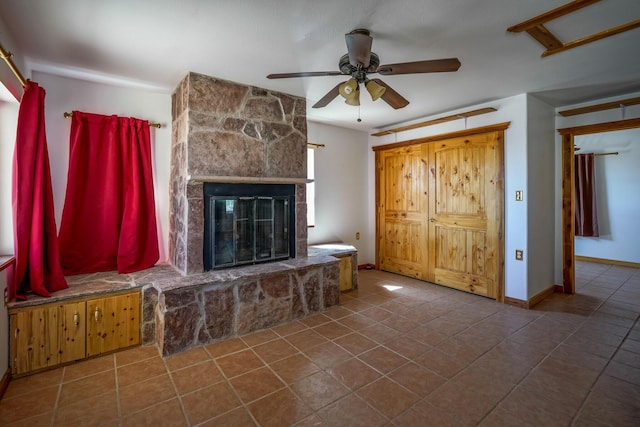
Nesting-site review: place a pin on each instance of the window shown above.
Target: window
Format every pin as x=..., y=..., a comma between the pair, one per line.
x=311, y=189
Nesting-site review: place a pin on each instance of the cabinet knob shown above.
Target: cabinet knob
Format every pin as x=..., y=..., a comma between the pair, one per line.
x=432, y=220
x=76, y=319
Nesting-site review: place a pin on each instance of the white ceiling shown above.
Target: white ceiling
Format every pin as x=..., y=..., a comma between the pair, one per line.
x=155, y=43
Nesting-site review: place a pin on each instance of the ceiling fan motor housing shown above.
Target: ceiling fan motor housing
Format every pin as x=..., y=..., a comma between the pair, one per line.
x=358, y=73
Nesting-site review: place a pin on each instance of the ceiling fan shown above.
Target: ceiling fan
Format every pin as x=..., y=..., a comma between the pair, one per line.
x=359, y=62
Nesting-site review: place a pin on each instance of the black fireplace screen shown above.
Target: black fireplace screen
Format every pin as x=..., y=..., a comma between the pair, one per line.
x=248, y=224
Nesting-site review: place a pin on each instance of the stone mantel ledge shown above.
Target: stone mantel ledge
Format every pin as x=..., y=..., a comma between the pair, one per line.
x=196, y=179
x=97, y=284
x=163, y=278
x=236, y=274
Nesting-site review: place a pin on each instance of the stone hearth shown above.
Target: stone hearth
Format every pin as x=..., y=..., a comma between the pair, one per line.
x=202, y=308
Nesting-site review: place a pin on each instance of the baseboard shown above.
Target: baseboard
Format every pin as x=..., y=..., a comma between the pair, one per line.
x=516, y=302
x=4, y=383
x=537, y=298
x=541, y=295
x=608, y=261
x=366, y=267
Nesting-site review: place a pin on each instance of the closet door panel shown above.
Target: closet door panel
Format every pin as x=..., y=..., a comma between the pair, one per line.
x=463, y=179
x=402, y=209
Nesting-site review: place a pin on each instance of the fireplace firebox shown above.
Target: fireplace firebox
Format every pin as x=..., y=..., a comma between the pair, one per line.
x=248, y=224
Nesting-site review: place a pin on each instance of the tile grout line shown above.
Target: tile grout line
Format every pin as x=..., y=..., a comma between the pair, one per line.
x=59, y=392
x=175, y=388
x=115, y=373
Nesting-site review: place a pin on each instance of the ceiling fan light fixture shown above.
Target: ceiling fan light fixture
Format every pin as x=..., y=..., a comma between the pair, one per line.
x=375, y=90
x=348, y=88
x=353, y=98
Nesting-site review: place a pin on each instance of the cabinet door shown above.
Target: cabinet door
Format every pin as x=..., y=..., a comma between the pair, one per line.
x=113, y=323
x=46, y=336
x=346, y=273
x=72, y=318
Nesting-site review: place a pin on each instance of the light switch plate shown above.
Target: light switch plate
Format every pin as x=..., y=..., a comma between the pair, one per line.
x=519, y=195
x=519, y=254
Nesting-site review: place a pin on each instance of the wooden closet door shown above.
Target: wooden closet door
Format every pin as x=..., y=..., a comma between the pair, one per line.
x=402, y=210
x=465, y=213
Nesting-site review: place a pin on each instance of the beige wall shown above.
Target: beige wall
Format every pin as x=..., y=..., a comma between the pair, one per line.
x=341, y=187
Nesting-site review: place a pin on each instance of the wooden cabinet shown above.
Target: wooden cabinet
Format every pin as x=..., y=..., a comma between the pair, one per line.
x=48, y=335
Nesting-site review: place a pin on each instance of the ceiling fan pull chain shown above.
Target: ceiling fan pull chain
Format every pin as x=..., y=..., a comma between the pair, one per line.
x=359, y=119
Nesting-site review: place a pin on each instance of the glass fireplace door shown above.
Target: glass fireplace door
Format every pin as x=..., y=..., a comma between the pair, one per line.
x=224, y=231
x=244, y=230
x=249, y=230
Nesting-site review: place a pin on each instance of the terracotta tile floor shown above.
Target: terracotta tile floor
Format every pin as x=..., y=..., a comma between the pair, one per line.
x=397, y=352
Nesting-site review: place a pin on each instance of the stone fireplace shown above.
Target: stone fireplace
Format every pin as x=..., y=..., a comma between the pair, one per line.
x=225, y=132
x=230, y=135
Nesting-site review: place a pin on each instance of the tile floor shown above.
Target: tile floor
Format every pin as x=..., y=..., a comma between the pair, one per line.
x=397, y=352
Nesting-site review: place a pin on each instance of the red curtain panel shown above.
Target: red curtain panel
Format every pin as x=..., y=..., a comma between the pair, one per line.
x=37, y=266
x=108, y=221
x=586, y=217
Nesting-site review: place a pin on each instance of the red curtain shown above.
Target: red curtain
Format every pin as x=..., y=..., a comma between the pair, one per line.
x=37, y=266
x=108, y=220
x=586, y=217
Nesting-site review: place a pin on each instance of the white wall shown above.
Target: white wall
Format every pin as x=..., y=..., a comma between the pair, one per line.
x=514, y=110
x=341, y=187
x=8, y=124
x=4, y=328
x=65, y=94
x=540, y=195
x=582, y=120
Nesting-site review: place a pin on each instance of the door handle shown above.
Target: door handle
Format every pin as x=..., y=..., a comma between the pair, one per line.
x=97, y=314
x=76, y=319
